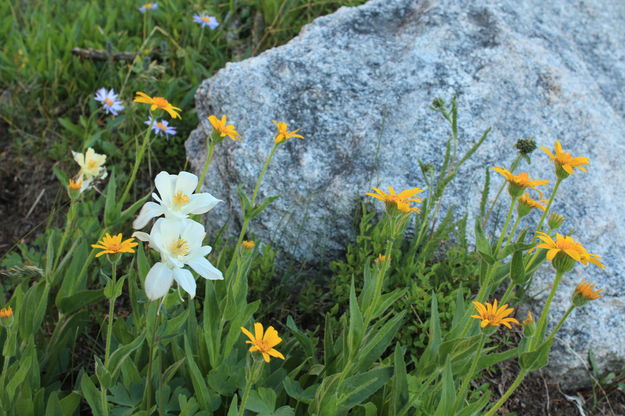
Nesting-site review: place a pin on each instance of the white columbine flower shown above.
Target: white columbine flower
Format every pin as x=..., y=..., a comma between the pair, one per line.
x=110, y=101
x=91, y=167
x=180, y=244
x=161, y=127
x=176, y=200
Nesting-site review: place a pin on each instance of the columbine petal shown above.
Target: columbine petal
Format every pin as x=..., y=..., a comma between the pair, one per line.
x=201, y=203
x=165, y=185
x=205, y=269
x=186, y=182
x=150, y=210
x=185, y=280
x=158, y=281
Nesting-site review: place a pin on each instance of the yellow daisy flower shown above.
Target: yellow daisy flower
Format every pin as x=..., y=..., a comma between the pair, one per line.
x=401, y=200
x=157, y=103
x=223, y=128
x=565, y=161
x=564, y=248
x=6, y=312
x=492, y=315
x=284, y=133
x=264, y=343
x=248, y=245
x=526, y=204
x=75, y=185
x=517, y=183
x=114, y=245
x=587, y=291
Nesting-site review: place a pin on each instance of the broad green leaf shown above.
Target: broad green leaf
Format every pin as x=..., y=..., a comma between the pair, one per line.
x=71, y=304
x=356, y=389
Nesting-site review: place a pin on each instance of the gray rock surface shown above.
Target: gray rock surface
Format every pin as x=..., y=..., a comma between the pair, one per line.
x=359, y=83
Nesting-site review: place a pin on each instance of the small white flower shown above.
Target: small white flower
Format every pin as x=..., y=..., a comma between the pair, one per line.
x=179, y=244
x=205, y=20
x=177, y=200
x=91, y=167
x=148, y=6
x=110, y=101
x=161, y=127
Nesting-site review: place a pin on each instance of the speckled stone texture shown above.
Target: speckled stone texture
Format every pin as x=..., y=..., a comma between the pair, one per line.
x=359, y=83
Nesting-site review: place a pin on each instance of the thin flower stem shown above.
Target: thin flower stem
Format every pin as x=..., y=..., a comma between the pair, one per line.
x=557, y=328
x=210, y=147
x=542, y=219
x=138, y=160
x=543, y=316
x=379, y=284
x=507, y=293
x=109, y=331
x=199, y=43
x=513, y=166
x=505, y=227
x=251, y=379
x=469, y=376
x=507, y=394
x=253, y=202
x=148, y=381
x=69, y=225
x=514, y=227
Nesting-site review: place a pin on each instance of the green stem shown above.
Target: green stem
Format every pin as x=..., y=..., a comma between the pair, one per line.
x=199, y=44
x=148, y=380
x=540, y=223
x=246, y=221
x=514, y=227
x=505, y=227
x=251, y=379
x=546, y=211
x=557, y=328
x=514, y=165
x=507, y=394
x=210, y=147
x=138, y=160
x=469, y=376
x=69, y=225
x=507, y=293
x=379, y=283
x=543, y=316
x=109, y=331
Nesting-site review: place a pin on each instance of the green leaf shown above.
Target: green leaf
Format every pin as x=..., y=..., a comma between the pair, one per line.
x=121, y=354
x=91, y=395
x=535, y=360
x=246, y=205
x=448, y=392
x=356, y=389
x=482, y=244
x=20, y=375
x=356, y=324
x=256, y=211
x=262, y=401
x=294, y=390
x=399, y=391
x=377, y=341
x=199, y=384
x=103, y=375
x=71, y=304
x=304, y=341
x=111, y=208
x=517, y=268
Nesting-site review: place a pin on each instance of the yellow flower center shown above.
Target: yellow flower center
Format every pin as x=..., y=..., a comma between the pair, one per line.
x=205, y=19
x=262, y=345
x=161, y=126
x=108, y=102
x=160, y=102
x=180, y=199
x=92, y=164
x=180, y=248
x=148, y=5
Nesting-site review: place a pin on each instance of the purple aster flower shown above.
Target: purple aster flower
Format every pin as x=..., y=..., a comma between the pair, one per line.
x=110, y=101
x=161, y=127
x=204, y=20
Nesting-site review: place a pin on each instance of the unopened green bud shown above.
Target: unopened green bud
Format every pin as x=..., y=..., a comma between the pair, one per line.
x=525, y=146
x=561, y=173
x=562, y=262
x=555, y=221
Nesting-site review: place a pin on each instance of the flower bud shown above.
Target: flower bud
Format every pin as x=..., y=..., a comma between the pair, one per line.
x=563, y=263
x=555, y=221
x=529, y=326
x=525, y=146
x=248, y=244
x=584, y=293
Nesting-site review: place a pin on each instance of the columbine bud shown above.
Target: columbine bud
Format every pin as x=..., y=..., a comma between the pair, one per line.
x=525, y=146
x=584, y=293
x=555, y=221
